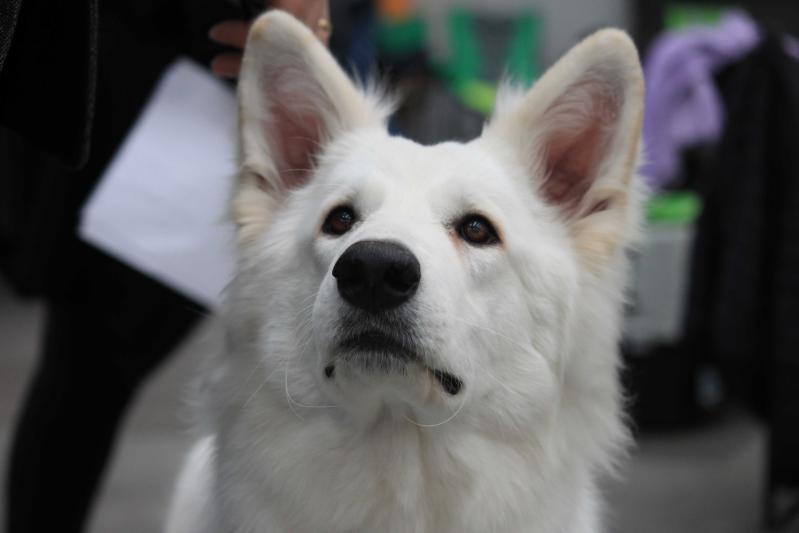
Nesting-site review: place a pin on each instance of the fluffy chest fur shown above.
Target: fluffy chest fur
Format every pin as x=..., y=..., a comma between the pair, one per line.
x=393, y=476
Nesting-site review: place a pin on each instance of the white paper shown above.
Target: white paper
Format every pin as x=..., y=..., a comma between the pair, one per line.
x=161, y=205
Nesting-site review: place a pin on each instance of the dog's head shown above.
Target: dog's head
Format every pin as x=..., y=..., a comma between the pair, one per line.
x=376, y=273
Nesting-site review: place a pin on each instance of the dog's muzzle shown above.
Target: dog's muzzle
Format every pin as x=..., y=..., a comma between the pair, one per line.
x=376, y=278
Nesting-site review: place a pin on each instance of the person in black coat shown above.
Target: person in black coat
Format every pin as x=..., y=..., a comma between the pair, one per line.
x=73, y=78
x=743, y=309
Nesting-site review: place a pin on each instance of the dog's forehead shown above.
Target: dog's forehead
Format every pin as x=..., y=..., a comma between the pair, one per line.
x=397, y=162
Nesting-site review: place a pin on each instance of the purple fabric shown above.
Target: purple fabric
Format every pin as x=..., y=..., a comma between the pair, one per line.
x=683, y=106
x=791, y=44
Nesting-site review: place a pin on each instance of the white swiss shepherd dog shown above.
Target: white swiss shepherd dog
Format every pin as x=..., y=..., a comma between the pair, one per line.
x=420, y=338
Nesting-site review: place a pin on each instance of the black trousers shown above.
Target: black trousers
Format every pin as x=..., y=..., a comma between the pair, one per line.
x=101, y=340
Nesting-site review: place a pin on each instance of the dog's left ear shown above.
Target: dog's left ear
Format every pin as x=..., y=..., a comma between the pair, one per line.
x=577, y=133
x=293, y=99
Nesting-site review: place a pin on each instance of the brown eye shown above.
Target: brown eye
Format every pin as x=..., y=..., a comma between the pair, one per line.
x=475, y=229
x=339, y=221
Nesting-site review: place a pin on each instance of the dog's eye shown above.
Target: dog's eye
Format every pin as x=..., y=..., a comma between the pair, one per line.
x=339, y=220
x=475, y=229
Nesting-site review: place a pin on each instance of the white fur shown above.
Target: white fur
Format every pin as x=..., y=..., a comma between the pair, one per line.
x=531, y=325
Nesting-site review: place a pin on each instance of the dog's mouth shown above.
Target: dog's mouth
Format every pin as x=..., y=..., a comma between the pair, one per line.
x=374, y=350
x=377, y=347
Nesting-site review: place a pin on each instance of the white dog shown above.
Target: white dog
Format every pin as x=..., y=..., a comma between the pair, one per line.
x=420, y=338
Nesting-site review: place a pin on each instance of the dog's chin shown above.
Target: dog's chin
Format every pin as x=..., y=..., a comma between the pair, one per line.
x=377, y=356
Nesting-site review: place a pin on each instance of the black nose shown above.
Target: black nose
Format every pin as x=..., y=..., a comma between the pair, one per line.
x=377, y=275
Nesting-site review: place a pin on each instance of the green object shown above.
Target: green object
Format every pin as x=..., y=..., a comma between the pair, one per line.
x=465, y=69
x=403, y=38
x=466, y=61
x=476, y=94
x=679, y=16
x=523, y=62
x=674, y=208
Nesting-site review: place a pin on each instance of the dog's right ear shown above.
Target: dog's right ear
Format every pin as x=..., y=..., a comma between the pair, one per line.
x=293, y=99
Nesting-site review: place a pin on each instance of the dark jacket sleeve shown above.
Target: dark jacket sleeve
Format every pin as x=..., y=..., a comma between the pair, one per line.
x=48, y=52
x=66, y=79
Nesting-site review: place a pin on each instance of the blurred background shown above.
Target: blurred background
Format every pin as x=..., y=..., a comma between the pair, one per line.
x=102, y=324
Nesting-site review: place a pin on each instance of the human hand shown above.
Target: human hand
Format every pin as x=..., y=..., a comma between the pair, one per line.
x=314, y=13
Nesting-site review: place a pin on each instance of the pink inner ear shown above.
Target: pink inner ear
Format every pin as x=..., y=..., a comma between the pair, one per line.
x=297, y=124
x=297, y=137
x=579, y=130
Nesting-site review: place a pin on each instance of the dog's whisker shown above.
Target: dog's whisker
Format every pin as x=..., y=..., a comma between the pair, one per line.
x=289, y=399
x=308, y=298
x=292, y=402
x=523, y=347
x=258, y=389
x=457, y=411
x=493, y=332
x=258, y=362
x=304, y=310
x=464, y=399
